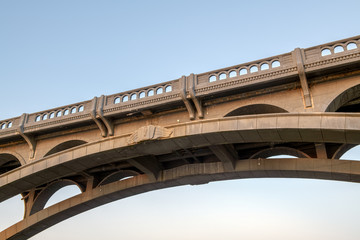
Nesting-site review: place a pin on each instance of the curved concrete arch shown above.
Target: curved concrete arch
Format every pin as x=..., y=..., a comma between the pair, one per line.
x=189, y=174
x=15, y=154
x=116, y=176
x=342, y=150
x=255, y=109
x=43, y=197
x=279, y=151
x=307, y=127
x=344, y=97
x=9, y=162
x=65, y=145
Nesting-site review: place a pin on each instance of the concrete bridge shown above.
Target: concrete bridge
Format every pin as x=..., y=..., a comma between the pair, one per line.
x=218, y=125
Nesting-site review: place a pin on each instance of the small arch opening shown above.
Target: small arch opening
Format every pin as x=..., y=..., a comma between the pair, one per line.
x=133, y=96
x=63, y=194
x=66, y=112
x=38, y=118
x=54, y=193
x=254, y=69
x=159, y=91
x=243, y=71
x=8, y=162
x=168, y=89
x=338, y=49
x=351, y=46
x=3, y=126
x=118, y=176
x=125, y=99
x=347, y=101
x=352, y=154
x=51, y=115
x=9, y=125
x=117, y=100
x=73, y=110
x=256, y=109
x=142, y=95
x=212, y=78
x=44, y=117
x=232, y=74
x=325, y=52
x=81, y=108
x=65, y=145
x=150, y=93
x=275, y=64
x=58, y=114
x=264, y=66
x=222, y=76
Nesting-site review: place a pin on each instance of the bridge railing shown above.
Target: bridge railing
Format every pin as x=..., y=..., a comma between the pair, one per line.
x=142, y=97
x=246, y=74
x=60, y=115
x=7, y=126
x=331, y=53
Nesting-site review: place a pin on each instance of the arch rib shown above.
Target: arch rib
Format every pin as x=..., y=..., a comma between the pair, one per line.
x=329, y=169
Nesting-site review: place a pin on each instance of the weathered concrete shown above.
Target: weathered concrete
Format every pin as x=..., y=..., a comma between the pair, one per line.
x=218, y=125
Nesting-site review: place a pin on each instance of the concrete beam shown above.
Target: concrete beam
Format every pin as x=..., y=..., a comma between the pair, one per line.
x=226, y=154
x=149, y=165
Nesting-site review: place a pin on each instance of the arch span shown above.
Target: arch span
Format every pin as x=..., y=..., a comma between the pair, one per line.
x=255, y=109
x=347, y=101
x=189, y=174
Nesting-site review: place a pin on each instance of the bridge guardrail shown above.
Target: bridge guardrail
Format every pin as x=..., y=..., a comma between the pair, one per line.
x=60, y=115
x=246, y=74
x=331, y=53
x=142, y=97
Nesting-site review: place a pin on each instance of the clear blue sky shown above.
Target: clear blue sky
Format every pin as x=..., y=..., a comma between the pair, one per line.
x=54, y=53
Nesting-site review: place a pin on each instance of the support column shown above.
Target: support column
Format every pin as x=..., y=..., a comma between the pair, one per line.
x=321, y=150
x=226, y=155
x=29, y=139
x=183, y=94
x=299, y=59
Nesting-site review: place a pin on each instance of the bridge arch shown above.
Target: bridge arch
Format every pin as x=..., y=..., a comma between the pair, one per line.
x=118, y=176
x=10, y=161
x=279, y=151
x=45, y=194
x=347, y=101
x=65, y=145
x=183, y=175
x=255, y=109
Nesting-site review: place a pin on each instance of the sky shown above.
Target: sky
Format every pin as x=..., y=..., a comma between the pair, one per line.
x=54, y=53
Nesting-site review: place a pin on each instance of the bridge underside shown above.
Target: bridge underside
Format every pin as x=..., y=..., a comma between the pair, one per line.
x=191, y=153
x=198, y=173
